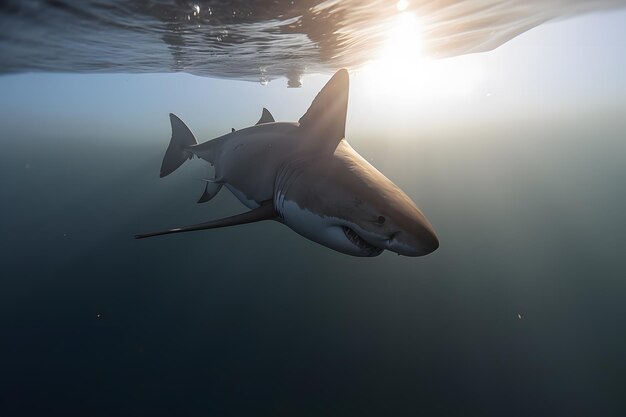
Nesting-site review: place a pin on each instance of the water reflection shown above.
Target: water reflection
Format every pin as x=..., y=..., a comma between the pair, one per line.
x=258, y=40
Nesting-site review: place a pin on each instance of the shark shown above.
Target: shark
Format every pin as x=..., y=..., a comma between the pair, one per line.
x=307, y=176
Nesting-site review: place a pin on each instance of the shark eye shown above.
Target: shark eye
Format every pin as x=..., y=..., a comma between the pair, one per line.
x=381, y=219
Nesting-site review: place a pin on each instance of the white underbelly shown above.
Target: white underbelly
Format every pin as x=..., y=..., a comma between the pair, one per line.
x=251, y=204
x=324, y=230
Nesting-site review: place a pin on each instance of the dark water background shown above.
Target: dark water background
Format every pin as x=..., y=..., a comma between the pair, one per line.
x=256, y=320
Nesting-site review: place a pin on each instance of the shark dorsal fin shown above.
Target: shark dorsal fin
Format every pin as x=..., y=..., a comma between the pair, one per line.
x=266, y=117
x=325, y=120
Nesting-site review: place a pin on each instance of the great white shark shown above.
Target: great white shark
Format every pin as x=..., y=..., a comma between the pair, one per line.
x=306, y=176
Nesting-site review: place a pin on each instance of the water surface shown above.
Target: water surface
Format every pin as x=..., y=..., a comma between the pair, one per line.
x=258, y=40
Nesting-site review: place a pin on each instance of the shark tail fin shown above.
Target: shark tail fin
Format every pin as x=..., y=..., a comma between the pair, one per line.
x=177, y=151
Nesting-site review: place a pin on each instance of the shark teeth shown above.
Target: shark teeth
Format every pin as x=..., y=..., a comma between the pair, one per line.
x=359, y=242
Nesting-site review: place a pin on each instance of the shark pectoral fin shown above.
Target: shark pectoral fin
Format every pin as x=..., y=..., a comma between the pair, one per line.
x=325, y=120
x=266, y=117
x=264, y=212
x=210, y=190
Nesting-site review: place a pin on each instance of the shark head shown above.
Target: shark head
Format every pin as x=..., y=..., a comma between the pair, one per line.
x=335, y=197
x=404, y=230
x=344, y=203
x=375, y=214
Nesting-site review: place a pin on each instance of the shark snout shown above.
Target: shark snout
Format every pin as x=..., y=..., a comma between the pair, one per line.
x=419, y=242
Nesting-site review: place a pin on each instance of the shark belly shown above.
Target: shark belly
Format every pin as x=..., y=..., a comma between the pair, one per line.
x=241, y=196
x=326, y=231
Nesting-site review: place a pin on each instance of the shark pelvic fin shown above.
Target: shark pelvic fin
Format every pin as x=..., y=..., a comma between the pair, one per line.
x=210, y=190
x=176, y=153
x=325, y=120
x=264, y=212
x=266, y=117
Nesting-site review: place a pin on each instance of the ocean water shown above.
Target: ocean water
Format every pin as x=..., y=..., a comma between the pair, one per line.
x=520, y=169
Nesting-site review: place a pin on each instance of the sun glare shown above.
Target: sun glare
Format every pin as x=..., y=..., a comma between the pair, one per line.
x=402, y=70
x=402, y=5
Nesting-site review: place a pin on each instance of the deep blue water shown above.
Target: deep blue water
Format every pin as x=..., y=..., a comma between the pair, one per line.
x=255, y=320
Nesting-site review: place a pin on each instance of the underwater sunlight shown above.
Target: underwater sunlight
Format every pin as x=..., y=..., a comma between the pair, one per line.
x=401, y=69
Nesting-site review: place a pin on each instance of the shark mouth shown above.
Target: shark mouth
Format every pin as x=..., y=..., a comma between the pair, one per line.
x=359, y=242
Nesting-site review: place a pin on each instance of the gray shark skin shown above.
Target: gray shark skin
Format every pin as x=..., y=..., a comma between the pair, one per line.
x=306, y=176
